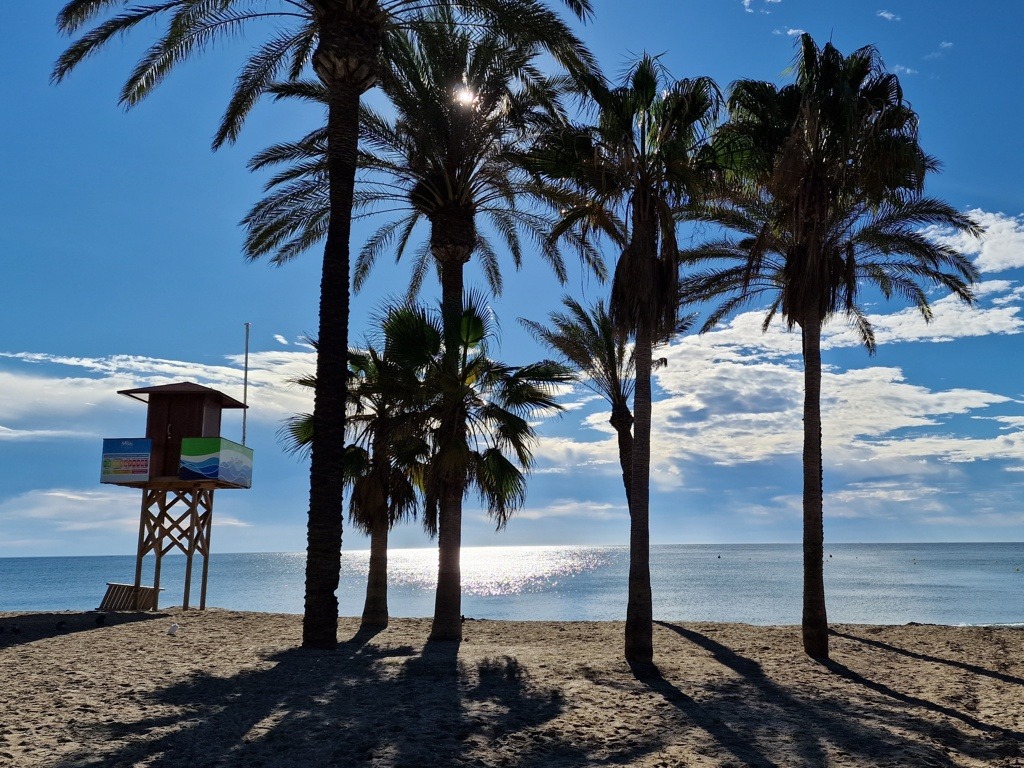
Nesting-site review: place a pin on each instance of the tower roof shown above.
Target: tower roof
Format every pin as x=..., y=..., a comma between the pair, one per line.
x=182, y=388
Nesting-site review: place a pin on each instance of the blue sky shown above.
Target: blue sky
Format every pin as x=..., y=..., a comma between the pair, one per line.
x=123, y=267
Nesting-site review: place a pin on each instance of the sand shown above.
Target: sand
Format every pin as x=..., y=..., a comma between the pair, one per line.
x=233, y=689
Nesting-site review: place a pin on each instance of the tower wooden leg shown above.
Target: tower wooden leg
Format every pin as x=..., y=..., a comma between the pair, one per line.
x=156, y=580
x=141, y=551
x=162, y=528
x=190, y=534
x=205, y=531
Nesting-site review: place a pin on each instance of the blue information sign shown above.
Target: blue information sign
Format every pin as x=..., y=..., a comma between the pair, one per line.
x=126, y=460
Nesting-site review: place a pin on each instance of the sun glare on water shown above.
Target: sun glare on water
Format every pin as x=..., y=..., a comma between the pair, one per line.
x=490, y=571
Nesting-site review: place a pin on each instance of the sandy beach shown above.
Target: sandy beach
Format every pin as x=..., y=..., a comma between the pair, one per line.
x=233, y=689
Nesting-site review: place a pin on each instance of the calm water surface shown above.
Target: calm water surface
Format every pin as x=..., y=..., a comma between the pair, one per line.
x=759, y=584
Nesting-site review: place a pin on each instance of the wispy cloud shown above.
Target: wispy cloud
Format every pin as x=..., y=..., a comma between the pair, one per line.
x=899, y=69
x=942, y=50
x=66, y=509
x=575, y=508
x=888, y=15
x=100, y=520
x=37, y=387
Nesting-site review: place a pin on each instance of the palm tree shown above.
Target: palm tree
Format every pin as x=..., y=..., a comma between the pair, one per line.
x=479, y=433
x=829, y=199
x=346, y=43
x=463, y=101
x=631, y=175
x=383, y=459
x=589, y=342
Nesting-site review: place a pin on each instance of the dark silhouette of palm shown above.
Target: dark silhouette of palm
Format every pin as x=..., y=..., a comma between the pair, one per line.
x=383, y=461
x=631, y=175
x=480, y=437
x=827, y=198
x=588, y=341
x=346, y=44
x=463, y=102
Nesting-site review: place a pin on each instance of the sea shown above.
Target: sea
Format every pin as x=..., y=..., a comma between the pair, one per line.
x=954, y=584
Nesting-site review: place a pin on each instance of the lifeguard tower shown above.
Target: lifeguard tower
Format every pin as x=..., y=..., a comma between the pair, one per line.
x=178, y=465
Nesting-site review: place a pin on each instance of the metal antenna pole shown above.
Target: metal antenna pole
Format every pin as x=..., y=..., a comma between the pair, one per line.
x=245, y=383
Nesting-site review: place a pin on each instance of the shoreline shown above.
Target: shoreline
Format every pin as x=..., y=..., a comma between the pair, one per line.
x=9, y=615
x=232, y=688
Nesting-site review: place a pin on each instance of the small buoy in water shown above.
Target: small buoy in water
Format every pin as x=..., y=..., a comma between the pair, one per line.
x=172, y=630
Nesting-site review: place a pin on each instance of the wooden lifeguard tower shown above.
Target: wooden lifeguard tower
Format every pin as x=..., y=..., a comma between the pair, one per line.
x=178, y=465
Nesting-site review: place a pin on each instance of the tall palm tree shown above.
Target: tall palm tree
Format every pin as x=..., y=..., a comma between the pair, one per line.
x=589, y=342
x=346, y=43
x=829, y=198
x=480, y=434
x=463, y=100
x=632, y=174
x=383, y=459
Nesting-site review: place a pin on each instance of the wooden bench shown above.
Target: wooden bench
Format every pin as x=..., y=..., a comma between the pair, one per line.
x=121, y=597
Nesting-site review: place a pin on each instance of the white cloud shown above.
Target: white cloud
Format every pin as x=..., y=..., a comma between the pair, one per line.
x=793, y=32
x=944, y=46
x=8, y=434
x=1001, y=246
x=98, y=520
x=951, y=319
x=281, y=340
x=35, y=392
x=899, y=69
x=64, y=509
x=734, y=396
x=888, y=15
x=747, y=4
x=750, y=410
x=575, y=508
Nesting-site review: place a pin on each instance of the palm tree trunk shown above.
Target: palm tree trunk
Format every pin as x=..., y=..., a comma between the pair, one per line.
x=815, y=622
x=622, y=423
x=451, y=308
x=639, y=608
x=375, y=608
x=323, y=549
x=447, y=623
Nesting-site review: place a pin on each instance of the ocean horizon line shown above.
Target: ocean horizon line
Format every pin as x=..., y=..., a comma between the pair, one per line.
x=548, y=546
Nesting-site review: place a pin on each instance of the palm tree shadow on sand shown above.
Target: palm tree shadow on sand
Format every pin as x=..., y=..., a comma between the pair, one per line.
x=361, y=704
x=751, y=711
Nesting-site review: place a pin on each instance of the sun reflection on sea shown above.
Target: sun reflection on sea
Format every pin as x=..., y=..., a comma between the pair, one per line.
x=492, y=571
